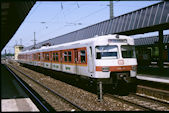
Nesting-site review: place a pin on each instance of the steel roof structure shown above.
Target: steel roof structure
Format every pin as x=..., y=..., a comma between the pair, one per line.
x=152, y=18
x=150, y=40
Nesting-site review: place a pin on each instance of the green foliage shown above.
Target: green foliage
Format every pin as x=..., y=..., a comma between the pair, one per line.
x=8, y=54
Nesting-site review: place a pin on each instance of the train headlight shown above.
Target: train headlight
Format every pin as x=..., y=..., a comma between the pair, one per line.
x=105, y=69
x=134, y=68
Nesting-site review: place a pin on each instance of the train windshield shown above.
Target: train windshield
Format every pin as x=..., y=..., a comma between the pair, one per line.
x=128, y=51
x=104, y=52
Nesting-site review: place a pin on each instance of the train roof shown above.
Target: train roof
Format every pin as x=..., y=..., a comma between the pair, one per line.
x=81, y=42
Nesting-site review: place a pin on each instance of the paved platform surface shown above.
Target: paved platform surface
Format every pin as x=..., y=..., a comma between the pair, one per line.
x=154, y=73
x=153, y=78
x=20, y=104
x=13, y=97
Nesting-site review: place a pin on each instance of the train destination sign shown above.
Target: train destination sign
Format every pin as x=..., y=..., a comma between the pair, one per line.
x=117, y=40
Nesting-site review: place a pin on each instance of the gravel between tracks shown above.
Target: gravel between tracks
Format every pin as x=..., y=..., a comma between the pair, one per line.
x=85, y=99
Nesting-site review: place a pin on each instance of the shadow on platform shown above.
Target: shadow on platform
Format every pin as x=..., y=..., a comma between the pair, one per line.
x=10, y=89
x=153, y=70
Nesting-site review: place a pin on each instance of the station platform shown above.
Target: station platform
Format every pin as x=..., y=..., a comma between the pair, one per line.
x=154, y=73
x=154, y=78
x=13, y=97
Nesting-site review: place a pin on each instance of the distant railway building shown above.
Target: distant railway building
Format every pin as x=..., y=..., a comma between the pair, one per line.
x=18, y=48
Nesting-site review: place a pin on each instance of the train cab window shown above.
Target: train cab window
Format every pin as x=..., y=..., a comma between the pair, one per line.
x=128, y=51
x=83, y=56
x=65, y=56
x=106, y=52
x=69, y=56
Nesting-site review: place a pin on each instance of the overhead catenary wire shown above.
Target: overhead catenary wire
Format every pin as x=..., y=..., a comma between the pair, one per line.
x=91, y=14
x=63, y=14
x=69, y=14
x=78, y=5
x=60, y=28
x=37, y=5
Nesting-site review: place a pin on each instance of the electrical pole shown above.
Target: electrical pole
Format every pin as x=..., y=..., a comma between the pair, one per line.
x=34, y=40
x=111, y=10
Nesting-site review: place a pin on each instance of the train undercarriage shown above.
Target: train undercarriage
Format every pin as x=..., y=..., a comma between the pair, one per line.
x=118, y=83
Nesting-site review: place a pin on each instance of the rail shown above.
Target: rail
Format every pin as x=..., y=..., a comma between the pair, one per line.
x=42, y=106
x=128, y=102
x=141, y=102
x=54, y=92
x=151, y=99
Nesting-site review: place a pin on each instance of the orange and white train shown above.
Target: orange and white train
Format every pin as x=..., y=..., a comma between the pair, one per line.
x=108, y=58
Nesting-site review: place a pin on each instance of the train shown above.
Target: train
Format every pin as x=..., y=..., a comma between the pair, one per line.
x=107, y=59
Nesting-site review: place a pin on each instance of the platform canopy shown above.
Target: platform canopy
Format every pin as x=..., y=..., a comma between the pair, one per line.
x=148, y=19
x=13, y=14
x=150, y=40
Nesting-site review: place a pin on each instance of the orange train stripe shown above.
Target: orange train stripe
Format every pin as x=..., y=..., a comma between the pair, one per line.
x=66, y=63
x=115, y=68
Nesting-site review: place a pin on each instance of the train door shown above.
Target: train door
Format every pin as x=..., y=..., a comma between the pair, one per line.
x=76, y=60
x=50, y=58
x=90, y=61
x=61, y=60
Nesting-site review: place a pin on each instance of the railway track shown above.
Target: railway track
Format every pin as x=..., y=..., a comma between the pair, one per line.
x=151, y=91
x=42, y=105
x=151, y=99
x=138, y=104
x=74, y=106
x=141, y=102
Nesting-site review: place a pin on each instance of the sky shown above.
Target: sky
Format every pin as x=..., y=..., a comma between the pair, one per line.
x=49, y=19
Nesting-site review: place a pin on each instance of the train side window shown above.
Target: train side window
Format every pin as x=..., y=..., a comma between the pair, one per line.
x=53, y=56
x=65, y=56
x=34, y=56
x=56, y=55
x=47, y=56
x=83, y=56
x=69, y=56
x=43, y=56
x=38, y=56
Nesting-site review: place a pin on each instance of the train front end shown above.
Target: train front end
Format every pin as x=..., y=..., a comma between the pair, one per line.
x=115, y=59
